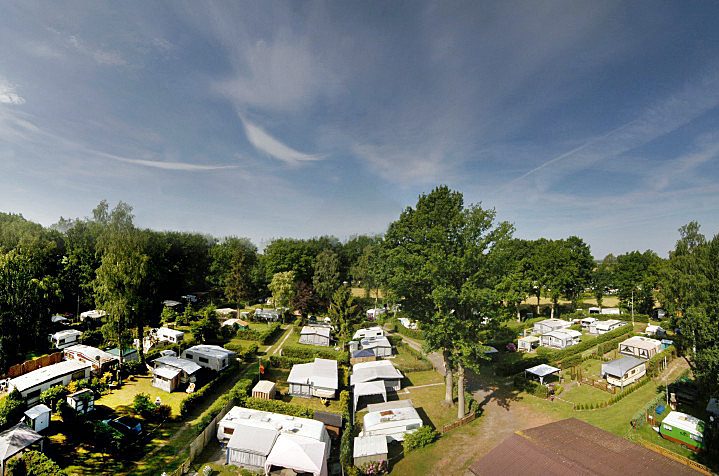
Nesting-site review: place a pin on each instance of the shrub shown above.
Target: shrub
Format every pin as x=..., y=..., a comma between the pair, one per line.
x=346, y=447
x=134, y=367
x=52, y=395
x=278, y=406
x=411, y=333
x=142, y=405
x=194, y=398
x=419, y=439
x=374, y=467
x=92, y=337
x=11, y=409
x=33, y=463
x=283, y=362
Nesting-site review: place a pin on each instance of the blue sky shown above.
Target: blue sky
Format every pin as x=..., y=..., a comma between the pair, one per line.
x=270, y=119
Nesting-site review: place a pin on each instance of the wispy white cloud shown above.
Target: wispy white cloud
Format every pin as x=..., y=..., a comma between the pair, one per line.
x=9, y=94
x=268, y=144
x=166, y=165
x=99, y=55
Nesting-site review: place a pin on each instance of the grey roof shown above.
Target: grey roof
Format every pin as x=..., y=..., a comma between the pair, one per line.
x=214, y=351
x=620, y=366
x=166, y=372
x=362, y=353
x=66, y=333
x=332, y=419
x=48, y=373
x=187, y=365
x=251, y=439
x=37, y=410
x=16, y=439
x=319, y=330
x=374, y=370
x=370, y=446
x=393, y=405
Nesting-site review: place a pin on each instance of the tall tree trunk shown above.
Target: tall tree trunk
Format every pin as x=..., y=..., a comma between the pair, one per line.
x=448, y=387
x=140, y=336
x=538, y=299
x=552, y=316
x=460, y=391
x=519, y=315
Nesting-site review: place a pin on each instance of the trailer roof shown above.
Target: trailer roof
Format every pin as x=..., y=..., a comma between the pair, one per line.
x=44, y=374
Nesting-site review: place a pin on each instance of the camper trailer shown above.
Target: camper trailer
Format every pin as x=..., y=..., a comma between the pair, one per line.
x=391, y=419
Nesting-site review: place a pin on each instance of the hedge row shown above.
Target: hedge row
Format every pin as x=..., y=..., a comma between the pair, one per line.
x=263, y=336
x=608, y=346
x=346, y=450
x=193, y=399
x=284, y=362
x=604, y=317
x=310, y=353
x=548, y=356
x=422, y=362
x=243, y=353
x=653, y=364
x=278, y=406
x=411, y=333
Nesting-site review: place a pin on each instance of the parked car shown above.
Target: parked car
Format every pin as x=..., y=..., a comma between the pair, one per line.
x=126, y=425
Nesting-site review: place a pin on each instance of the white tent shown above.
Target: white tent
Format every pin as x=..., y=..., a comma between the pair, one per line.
x=541, y=371
x=302, y=455
x=365, y=389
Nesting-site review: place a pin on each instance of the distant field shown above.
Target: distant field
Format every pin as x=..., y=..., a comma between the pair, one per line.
x=361, y=293
x=608, y=301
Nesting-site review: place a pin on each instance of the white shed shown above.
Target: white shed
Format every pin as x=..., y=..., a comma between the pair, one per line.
x=82, y=401
x=37, y=417
x=392, y=420
x=528, y=343
x=211, y=357
x=66, y=338
x=369, y=449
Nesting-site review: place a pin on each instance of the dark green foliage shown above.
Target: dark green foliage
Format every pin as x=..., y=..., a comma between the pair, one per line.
x=106, y=438
x=33, y=463
x=92, y=337
x=263, y=336
x=11, y=409
x=278, y=406
x=420, y=438
x=52, y=395
x=142, y=405
x=193, y=399
x=411, y=333
x=310, y=353
x=284, y=362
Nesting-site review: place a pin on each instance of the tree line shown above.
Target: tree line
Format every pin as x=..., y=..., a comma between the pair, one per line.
x=451, y=266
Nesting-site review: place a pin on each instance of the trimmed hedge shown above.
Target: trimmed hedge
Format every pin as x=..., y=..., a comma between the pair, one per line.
x=263, y=336
x=419, y=439
x=411, y=333
x=422, y=362
x=653, y=364
x=283, y=362
x=238, y=393
x=193, y=399
x=278, y=406
x=346, y=442
x=297, y=351
x=611, y=401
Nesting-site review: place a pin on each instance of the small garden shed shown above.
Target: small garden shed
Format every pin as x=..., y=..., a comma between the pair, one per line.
x=37, y=417
x=368, y=449
x=82, y=402
x=265, y=390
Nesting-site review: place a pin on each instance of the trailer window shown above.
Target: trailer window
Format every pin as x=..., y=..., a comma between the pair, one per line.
x=668, y=428
x=203, y=360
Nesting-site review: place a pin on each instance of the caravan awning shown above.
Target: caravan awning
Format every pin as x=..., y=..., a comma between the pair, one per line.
x=300, y=454
x=365, y=389
x=542, y=370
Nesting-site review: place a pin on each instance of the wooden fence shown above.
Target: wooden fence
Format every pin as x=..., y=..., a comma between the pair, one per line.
x=30, y=365
x=678, y=458
x=199, y=444
x=458, y=423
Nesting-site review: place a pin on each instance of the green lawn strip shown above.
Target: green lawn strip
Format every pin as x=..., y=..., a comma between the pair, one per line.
x=585, y=394
x=142, y=384
x=422, y=377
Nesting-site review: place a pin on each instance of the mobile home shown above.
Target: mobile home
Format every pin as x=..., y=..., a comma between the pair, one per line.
x=561, y=339
x=623, y=371
x=379, y=370
x=314, y=379
x=32, y=384
x=100, y=360
x=391, y=419
x=66, y=338
x=211, y=357
x=549, y=325
x=170, y=372
x=315, y=335
x=642, y=347
x=683, y=429
x=375, y=331
x=165, y=334
x=379, y=346
x=602, y=327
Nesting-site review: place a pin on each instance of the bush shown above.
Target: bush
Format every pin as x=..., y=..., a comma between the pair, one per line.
x=283, y=362
x=11, y=409
x=411, y=333
x=92, y=337
x=142, y=405
x=33, y=463
x=374, y=467
x=133, y=367
x=52, y=395
x=346, y=456
x=194, y=398
x=278, y=406
x=419, y=439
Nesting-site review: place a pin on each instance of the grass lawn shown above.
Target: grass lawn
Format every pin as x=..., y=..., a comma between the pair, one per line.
x=428, y=402
x=422, y=377
x=405, y=358
x=585, y=394
x=123, y=397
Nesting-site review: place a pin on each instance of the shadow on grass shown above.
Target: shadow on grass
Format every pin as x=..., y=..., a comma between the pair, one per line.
x=487, y=389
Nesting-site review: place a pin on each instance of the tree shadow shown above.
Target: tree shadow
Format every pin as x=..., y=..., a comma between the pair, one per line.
x=486, y=389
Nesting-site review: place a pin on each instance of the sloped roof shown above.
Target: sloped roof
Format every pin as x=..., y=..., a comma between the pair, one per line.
x=37, y=410
x=188, y=366
x=620, y=366
x=214, y=351
x=15, y=439
x=321, y=373
x=378, y=369
x=166, y=372
x=254, y=440
x=370, y=446
x=319, y=330
x=300, y=454
x=45, y=374
x=642, y=343
x=328, y=418
x=572, y=447
x=542, y=370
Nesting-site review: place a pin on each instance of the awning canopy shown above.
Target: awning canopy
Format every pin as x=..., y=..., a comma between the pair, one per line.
x=365, y=389
x=302, y=455
x=167, y=372
x=542, y=370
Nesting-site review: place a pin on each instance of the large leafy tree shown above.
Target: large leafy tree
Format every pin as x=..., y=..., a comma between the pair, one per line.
x=121, y=275
x=635, y=275
x=343, y=312
x=438, y=258
x=283, y=288
x=287, y=254
x=367, y=270
x=326, y=277
x=233, y=263
x=602, y=278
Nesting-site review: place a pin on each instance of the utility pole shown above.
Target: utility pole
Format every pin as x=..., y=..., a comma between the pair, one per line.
x=632, y=307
